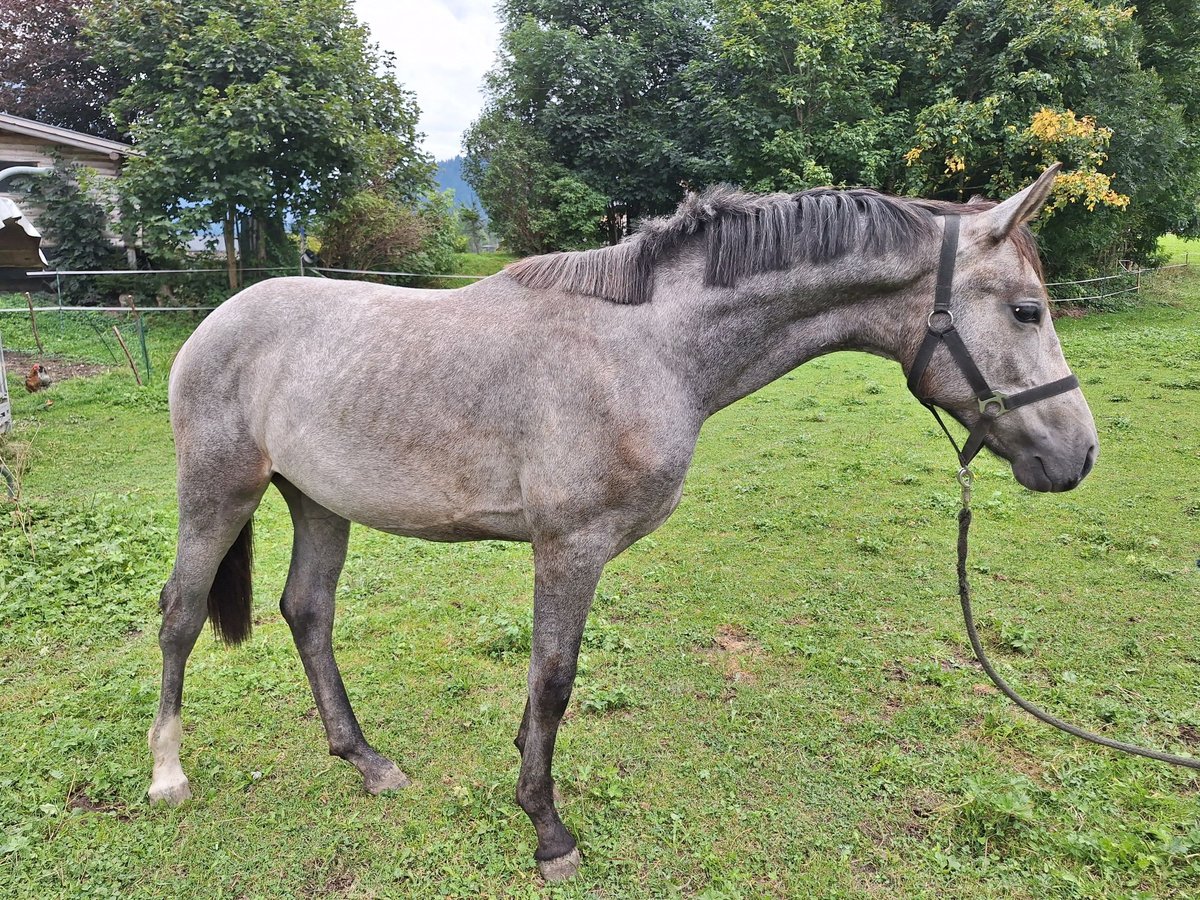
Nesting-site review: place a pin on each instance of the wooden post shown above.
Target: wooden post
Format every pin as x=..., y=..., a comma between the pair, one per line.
x=231, y=266
x=33, y=322
x=141, y=329
x=121, y=341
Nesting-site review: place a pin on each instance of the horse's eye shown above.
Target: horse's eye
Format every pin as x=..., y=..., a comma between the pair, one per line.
x=1027, y=312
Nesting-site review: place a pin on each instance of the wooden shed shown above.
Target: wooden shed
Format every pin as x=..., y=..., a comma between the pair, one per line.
x=24, y=142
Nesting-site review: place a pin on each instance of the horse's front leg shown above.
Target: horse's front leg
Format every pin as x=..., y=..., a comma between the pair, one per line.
x=565, y=576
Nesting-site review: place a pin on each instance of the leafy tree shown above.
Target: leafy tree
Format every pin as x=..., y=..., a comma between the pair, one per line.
x=951, y=99
x=533, y=203
x=48, y=74
x=251, y=112
x=994, y=90
x=632, y=100
x=798, y=92
x=473, y=227
x=596, y=94
x=74, y=223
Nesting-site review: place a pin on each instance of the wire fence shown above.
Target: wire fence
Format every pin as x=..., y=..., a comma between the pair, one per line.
x=142, y=337
x=1105, y=288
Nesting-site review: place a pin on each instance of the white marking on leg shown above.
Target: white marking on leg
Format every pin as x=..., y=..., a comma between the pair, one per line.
x=168, y=783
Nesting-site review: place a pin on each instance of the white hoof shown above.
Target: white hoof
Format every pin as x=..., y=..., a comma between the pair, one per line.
x=562, y=868
x=391, y=780
x=172, y=792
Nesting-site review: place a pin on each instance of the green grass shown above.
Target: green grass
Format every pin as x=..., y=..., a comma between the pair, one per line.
x=474, y=264
x=776, y=696
x=1180, y=249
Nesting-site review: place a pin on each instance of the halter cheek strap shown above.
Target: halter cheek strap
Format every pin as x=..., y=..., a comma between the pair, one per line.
x=942, y=333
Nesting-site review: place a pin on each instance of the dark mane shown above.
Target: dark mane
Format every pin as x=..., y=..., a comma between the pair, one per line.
x=746, y=234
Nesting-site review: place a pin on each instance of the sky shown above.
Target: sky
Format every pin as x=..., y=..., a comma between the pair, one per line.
x=443, y=48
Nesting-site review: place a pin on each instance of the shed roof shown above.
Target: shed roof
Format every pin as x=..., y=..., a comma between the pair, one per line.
x=56, y=135
x=20, y=242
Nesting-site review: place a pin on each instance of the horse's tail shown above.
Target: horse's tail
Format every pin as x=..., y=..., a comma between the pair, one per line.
x=229, y=599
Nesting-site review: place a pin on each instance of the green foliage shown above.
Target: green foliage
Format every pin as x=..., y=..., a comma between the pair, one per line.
x=377, y=232
x=942, y=100
x=589, y=106
x=797, y=92
x=473, y=228
x=260, y=108
x=74, y=223
x=533, y=203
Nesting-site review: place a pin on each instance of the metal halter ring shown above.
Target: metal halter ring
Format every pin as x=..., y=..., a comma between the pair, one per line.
x=940, y=312
x=994, y=406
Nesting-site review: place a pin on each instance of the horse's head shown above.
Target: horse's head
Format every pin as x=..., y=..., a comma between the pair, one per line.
x=998, y=306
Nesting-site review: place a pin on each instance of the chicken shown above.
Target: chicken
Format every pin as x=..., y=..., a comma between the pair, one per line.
x=37, y=379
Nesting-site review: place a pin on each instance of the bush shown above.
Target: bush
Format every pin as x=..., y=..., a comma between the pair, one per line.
x=371, y=230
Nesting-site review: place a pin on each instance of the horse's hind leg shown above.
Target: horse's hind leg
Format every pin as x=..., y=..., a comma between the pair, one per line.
x=318, y=553
x=212, y=568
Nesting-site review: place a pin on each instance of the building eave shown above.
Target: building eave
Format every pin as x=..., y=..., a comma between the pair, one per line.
x=28, y=127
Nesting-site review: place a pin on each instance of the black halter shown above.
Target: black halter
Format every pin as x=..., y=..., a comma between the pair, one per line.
x=941, y=331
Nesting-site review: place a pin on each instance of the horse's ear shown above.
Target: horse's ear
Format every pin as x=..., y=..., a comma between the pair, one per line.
x=1021, y=207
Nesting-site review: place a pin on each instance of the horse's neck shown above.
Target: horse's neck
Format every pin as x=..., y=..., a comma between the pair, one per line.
x=741, y=344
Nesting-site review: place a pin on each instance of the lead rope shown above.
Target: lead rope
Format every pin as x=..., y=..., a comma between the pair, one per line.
x=965, y=480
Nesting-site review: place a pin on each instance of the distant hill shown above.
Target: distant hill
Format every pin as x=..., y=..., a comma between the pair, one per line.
x=449, y=177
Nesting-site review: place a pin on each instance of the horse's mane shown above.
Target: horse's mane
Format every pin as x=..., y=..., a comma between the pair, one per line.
x=746, y=234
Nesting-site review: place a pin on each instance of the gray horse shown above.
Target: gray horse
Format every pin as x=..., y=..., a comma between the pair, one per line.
x=559, y=403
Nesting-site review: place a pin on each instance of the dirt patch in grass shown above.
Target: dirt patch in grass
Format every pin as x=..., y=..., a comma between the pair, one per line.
x=59, y=369
x=78, y=799
x=731, y=647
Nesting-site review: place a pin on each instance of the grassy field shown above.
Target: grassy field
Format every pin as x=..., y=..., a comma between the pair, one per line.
x=776, y=696
x=1179, y=249
x=474, y=264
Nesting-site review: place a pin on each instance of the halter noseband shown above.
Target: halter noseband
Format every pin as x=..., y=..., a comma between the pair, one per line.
x=941, y=331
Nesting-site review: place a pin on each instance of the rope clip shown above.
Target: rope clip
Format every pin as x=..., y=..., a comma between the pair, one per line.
x=966, y=478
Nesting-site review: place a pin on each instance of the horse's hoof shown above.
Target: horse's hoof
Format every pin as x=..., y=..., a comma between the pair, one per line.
x=172, y=793
x=389, y=780
x=562, y=868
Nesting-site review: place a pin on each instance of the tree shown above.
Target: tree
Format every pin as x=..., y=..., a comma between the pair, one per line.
x=48, y=74
x=589, y=101
x=948, y=100
x=796, y=92
x=533, y=203
x=74, y=224
x=473, y=227
x=994, y=90
x=254, y=112
x=372, y=231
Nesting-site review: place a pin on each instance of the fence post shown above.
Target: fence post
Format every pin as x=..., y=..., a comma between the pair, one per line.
x=5, y=405
x=142, y=340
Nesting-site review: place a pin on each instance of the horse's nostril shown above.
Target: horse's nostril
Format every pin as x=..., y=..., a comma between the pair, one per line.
x=1088, y=462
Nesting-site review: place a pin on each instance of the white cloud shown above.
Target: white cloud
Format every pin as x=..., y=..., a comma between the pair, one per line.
x=443, y=48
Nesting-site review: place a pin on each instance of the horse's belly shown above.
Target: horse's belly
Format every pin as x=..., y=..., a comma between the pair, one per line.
x=438, y=503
